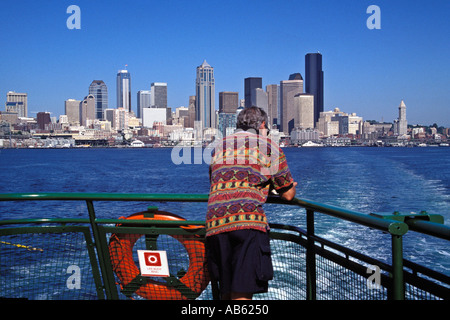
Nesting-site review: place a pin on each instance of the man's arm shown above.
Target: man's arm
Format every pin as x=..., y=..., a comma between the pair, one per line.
x=290, y=193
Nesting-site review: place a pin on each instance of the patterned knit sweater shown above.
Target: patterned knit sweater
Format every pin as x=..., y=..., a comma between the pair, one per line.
x=244, y=166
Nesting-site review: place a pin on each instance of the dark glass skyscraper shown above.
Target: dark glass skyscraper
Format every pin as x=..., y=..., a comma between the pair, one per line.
x=99, y=90
x=314, y=81
x=250, y=84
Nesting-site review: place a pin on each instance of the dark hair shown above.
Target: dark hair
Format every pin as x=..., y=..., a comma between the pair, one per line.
x=251, y=118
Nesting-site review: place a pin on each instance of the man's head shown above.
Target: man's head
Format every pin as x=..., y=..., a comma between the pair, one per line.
x=251, y=118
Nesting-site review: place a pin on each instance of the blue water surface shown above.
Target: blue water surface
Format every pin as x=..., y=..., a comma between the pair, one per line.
x=368, y=180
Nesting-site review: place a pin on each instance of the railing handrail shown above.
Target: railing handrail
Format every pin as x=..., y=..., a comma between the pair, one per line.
x=394, y=227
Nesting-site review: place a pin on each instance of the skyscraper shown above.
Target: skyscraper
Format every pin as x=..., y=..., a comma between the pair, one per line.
x=401, y=124
x=304, y=111
x=273, y=103
x=205, y=111
x=124, y=90
x=314, y=81
x=158, y=97
x=87, y=109
x=17, y=102
x=72, y=108
x=288, y=90
x=259, y=99
x=228, y=102
x=99, y=90
x=143, y=101
x=250, y=84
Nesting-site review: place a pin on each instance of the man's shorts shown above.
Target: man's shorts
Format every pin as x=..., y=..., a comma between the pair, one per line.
x=240, y=261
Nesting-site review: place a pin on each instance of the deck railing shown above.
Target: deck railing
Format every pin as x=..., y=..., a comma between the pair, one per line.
x=72, y=258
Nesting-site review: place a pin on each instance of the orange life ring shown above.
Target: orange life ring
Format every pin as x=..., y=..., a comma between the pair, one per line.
x=196, y=278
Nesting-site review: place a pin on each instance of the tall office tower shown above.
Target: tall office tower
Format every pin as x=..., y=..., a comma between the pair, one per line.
x=273, y=103
x=124, y=90
x=402, y=124
x=72, y=108
x=17, y=102
x=87, y=109
x=228, y=102
x=314, y=81
x=42, y=119
x=259, y=99
x=250, y=84
x=158, y=97
x=99, y=90
x=304, y=111
x=191, y=112
x=228, y=105
x=288, y=90
x=143, y=101
x=205, y=107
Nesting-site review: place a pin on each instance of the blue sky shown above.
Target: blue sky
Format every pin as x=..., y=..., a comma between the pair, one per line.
x=366, y=71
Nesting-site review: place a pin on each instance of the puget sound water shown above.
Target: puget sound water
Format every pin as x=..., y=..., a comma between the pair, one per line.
x=364, y=179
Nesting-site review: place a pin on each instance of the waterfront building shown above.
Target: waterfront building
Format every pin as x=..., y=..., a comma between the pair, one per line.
x=314, y=81
x=143, y=101
x=288, y=90
x=8, y=117
x=99, y=90
x=17, y=102
x=158, y=96
x=350, y=124
x=152, y=115
x=119, y=118
x=328, y=123
x=300, y=135
x=273, y=94
x=87, y=109
x=205, y=112
x=228, y=102
x=304, y=111
x=72, y=110
x=124, y=90
x=250, y=84
x=336, y=122
x=180, y=116
x=43, y=119
x=63, y=119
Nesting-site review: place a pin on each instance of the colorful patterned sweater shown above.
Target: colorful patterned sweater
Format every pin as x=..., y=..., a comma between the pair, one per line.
x=244, y=166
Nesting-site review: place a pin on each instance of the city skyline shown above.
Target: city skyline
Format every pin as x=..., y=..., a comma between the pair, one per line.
x=366, y=71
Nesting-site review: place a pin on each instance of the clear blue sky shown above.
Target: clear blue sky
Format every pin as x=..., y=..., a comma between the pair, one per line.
x=366, y=71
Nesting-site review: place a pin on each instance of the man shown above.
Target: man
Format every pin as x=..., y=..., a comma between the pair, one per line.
x=245, y=167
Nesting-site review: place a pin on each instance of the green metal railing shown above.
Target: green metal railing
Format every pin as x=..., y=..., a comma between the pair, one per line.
x=44, y=258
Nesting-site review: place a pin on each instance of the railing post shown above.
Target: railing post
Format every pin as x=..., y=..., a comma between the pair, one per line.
x=110, y=292
x=397, y=268
x=310, y=257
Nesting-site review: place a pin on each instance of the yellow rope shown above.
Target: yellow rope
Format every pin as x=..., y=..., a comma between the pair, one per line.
x=29, y=248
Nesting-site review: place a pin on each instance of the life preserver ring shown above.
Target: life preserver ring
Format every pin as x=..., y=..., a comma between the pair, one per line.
x=120, y=250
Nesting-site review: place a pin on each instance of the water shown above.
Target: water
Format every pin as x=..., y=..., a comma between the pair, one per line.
x=361, y=179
